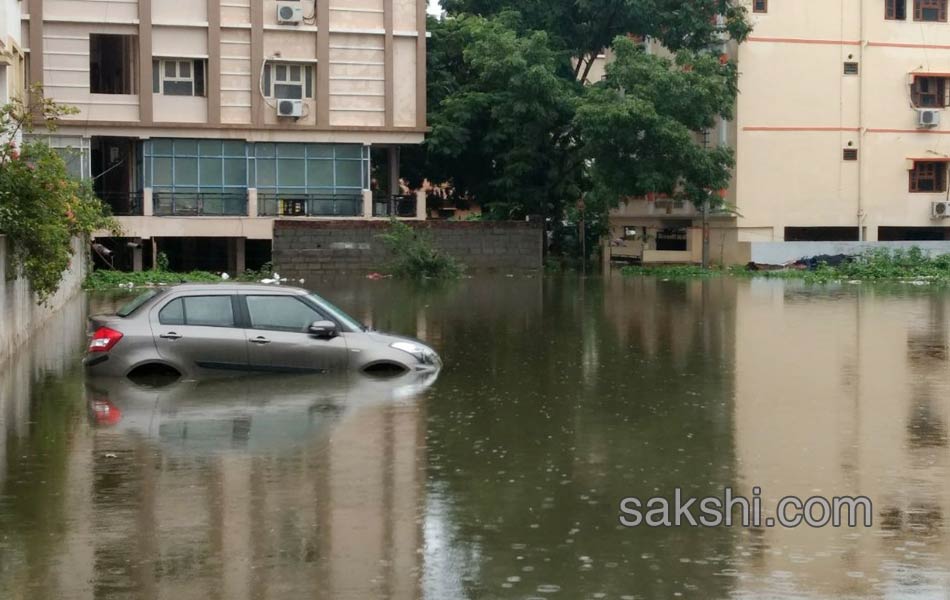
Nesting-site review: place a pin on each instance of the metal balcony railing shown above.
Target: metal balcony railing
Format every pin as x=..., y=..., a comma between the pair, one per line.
x=200, y=204
x=309, y=205
x=123, y=204
x=394, y=206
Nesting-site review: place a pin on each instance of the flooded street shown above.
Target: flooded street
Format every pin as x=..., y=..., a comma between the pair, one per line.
x=560, y=396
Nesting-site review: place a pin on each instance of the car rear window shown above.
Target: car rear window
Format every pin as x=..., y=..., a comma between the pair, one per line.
x=137, y=303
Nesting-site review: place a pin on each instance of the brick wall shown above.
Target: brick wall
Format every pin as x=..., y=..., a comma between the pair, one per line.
x=302, y=247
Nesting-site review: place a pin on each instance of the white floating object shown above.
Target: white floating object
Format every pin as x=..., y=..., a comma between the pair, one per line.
x=225, y=276
x=267, y=281
x=302, y=282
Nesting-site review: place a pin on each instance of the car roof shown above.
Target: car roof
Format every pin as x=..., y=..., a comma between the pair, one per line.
x=234, y=287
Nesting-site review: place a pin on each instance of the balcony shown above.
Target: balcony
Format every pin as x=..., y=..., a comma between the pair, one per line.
x=403, y=207
x=202, y=204
x=309, y=205
x=123, y=204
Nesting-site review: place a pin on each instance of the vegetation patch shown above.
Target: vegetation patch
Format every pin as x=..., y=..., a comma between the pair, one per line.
x=414, y=256
x=912, y=266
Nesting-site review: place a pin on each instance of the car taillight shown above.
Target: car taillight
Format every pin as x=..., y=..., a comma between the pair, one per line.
x=104, y=339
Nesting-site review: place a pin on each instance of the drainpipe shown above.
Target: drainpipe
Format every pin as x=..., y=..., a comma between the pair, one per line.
x=861, y=136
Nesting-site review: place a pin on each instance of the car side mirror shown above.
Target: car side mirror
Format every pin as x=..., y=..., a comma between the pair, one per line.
x=325, y=330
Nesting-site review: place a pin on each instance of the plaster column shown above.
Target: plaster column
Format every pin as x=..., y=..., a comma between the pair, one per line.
x=422, y=212
x=367, y=204
x=148, y=209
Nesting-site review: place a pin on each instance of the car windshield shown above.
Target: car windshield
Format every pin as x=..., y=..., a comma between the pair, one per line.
x=338, y=314
x=135, y=304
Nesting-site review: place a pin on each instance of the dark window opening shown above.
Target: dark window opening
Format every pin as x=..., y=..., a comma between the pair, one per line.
x=928, y=177
x=895, y=10
x=913, y=234
x=930, y=10
x=929, y=92
x=821, y=234
x=672, y=239
x=850, y=154
x=760, y=6
x=287, y=81
x=111, y=64
x=851, y=68
x=201, y=311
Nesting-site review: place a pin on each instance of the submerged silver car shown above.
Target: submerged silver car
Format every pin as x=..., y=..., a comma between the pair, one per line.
x=197, y=330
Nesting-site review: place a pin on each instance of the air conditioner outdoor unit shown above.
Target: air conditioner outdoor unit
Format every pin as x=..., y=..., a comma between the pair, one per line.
x=928, y=118
x=941, y=210
x=290, y=108
x=289, y=13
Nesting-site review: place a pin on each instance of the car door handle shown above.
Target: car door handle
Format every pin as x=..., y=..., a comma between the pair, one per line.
x=260, y=340
x=170, y=336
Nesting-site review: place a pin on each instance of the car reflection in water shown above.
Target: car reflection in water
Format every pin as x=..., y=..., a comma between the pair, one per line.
x=253, y=413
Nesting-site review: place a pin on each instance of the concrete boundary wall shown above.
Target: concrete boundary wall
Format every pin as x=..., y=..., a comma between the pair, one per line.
x=780, y=253
x=302, y=247
x=20, y=315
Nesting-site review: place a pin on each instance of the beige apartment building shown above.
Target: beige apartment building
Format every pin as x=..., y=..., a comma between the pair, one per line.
x=202, y=122
x=841, y=135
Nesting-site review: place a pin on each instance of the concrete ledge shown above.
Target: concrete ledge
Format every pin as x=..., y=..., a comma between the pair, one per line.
x=780, y=253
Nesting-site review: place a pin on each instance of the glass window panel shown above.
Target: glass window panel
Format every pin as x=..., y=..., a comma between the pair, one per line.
x=163, y=172
x=186, y=171
x=295, y=73
x=211, y=172
x=162, y=147
x=235, y=171
x=156, y=77
x=280, y=313
x=170, y=69
x=308, y=89
x=210, y=311
x=233, y=148
x=288, y=92
x=267, y=90
x=199, y=78
x=320, y=173
x=266, y=173
x=209, y=147
x=173, y=313
x=184, y=69
x=179, y=88
x=281, y=74
x=292, y=173
x=186, y=147
x=349, y=151
x=266, y=150
x=319, y=151
x=349, y=174
x=291, y=150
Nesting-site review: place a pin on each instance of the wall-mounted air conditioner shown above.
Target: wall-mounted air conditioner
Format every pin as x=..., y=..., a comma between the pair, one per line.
x=289, y=13
x=928, y=118
x=290, y=108
x=941, y=210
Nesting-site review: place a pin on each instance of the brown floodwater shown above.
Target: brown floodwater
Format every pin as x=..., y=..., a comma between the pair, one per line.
x=502, y=479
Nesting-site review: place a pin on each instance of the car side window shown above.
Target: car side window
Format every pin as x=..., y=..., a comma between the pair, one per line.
x=281, y=313
x=206, y=311
x=173, y=313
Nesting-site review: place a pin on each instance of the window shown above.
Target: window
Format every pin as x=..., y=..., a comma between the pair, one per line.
x=178, y=77
x=281, y=313
x=760, y=6
x=137, y=303
x=850, y=154
x=929, y=92
x=287, y=81
x=204, y=311
x=930, y=10
x=928, y=177
x=895, y=10
x=672, y=239
x=111, y=64
x=851, y=68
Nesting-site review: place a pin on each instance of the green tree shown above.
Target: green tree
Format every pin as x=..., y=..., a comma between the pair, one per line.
x=514, y=127
x=42, y=208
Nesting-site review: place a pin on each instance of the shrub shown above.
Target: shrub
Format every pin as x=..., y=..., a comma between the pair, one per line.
x=414, y=255
x=42, y=207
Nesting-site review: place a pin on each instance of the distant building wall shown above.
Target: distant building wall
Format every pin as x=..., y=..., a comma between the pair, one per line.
x=302, y=247
x=20, y=315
